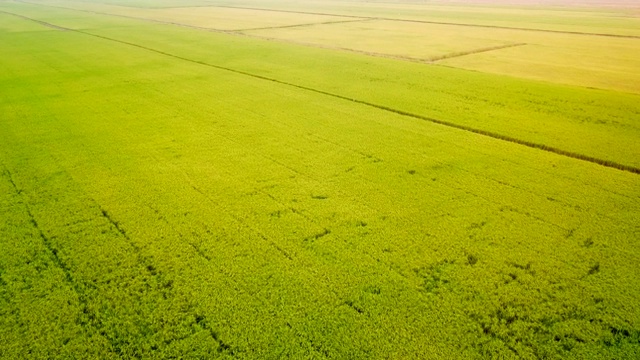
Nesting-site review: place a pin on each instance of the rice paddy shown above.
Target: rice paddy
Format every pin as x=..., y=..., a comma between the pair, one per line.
x=174, y=185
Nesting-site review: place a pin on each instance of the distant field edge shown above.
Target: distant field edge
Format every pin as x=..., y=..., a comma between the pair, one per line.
x=491, y=134
x=430, y=22
x=356, y=17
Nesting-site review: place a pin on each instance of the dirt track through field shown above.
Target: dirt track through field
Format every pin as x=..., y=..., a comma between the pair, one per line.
x=482, y=132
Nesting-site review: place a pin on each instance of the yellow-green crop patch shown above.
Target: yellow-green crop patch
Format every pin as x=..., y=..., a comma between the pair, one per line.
x=414, y=41
x=613, y=19
x=167, y=192
x=589, y=61
x=555, y=57
x=570, y=56
x=215, y=18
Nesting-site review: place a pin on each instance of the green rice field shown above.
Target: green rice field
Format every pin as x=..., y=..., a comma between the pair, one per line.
x=319, y=179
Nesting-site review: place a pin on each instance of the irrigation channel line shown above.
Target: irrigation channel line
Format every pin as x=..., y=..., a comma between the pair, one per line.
x=491, y=134
x=437, y=22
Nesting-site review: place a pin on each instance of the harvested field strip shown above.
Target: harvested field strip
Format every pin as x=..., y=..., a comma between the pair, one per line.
x=495, y=135
x=440, y=22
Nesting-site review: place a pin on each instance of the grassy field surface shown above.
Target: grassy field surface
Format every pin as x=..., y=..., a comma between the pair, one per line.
x=215, y=18
x=562, y=58
x=571, y=56
x=172, y=192
x=608, y=20
x=390, y=38
x=584, y=121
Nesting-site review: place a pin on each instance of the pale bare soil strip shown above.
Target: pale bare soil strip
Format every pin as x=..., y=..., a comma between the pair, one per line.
x=491, y=134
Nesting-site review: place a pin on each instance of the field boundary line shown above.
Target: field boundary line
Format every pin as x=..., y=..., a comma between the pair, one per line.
x=302, y=25
x=230, y=32
x=291, y=11
x=43, y=23
x=439, y=22
x=472, y=52
x=243, y=32
x=361, y=17
x=487, y=133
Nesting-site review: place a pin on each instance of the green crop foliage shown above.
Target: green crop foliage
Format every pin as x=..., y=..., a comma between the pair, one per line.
x=169, y=192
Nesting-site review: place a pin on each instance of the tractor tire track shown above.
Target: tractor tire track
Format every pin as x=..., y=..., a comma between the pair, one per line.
x=85, y=309
x=87, y=291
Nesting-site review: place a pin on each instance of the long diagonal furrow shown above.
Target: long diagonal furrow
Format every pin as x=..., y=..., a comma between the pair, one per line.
x=492, y=134
x=440, y=22
x=35, y=285
x=160, y=202
x=301, y=25
x=122, y=296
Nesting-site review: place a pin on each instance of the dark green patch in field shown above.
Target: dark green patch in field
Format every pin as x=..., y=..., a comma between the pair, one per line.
x=223, y=347
x=372, y=289
x=478, y=225
x=115, y=224
x=354, y=306
x=435, y=277
x=588, y=243
x=200, y=252
x=594, y=269
x=317, y=236
x=620, y=335
x=3, y=283
x=570, y=233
